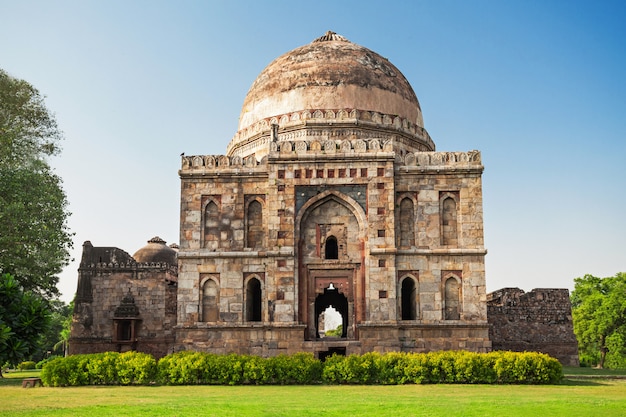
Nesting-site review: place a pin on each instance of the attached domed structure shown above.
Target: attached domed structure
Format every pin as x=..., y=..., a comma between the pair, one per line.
x=156, y=251
x=329, y=81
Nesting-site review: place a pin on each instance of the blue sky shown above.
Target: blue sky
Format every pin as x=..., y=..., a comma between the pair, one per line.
x=538, y=86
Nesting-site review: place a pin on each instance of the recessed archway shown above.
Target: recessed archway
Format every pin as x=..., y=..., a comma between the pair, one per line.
x=332, y=298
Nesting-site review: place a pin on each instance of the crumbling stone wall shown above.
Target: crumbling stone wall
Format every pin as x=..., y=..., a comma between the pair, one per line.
x=108, y=275
x=540, y=320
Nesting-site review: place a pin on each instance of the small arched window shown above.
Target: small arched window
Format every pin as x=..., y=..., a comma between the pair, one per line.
x=452, y=299
x=409, y=299
x=253, y=300
x=331, y=250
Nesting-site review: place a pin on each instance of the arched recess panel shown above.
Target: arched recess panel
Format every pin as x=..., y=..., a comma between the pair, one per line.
x=449, y=218
x=255, y=231
x=452, y=298
x=406, y=220
x=210, y=301
x=211, y=235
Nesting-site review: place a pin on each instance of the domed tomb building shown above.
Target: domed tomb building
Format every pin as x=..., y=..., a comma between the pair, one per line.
x=125, y=302
x=331, y=207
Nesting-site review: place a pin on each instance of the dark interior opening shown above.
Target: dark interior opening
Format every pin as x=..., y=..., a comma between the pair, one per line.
x=408, y=299
x=253, y=300
x=331, y=250
x=341, y=351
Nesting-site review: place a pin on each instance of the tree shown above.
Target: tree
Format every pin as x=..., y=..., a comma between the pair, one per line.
x=24, y=317
x=35, y=239
x=55, y=339
x=599, y=313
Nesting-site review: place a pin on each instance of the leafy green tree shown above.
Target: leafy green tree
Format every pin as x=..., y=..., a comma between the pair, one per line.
x=599, y=313
x=55, y=339
x=24, y=317
x=35, y=239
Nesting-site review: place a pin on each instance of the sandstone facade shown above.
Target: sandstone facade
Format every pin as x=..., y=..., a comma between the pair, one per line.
x=330, y=195
x=122, y=304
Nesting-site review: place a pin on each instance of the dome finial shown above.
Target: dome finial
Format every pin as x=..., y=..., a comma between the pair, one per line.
x=330, y=36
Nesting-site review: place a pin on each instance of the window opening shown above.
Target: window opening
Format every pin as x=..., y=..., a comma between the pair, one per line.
x=253, y=300
x=331, y=250
x=124, y=330
x=408, y=296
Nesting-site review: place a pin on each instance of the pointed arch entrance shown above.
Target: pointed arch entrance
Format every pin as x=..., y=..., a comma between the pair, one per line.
x=332, y=298
x=330, y=255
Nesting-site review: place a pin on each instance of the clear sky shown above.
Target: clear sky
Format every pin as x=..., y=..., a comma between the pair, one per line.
x=538, y=86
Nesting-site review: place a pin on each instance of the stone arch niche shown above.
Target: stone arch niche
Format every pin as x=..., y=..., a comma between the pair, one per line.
x=331, y=223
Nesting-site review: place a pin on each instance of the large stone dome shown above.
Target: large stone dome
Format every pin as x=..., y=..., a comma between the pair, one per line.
x=156, y=251
x=331, y=74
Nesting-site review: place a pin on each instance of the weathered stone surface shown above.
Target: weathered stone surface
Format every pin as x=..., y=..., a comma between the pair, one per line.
x=330, y=194
x=540, y=320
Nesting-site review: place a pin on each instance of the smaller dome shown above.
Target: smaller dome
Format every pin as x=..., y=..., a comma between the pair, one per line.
x=156, y=251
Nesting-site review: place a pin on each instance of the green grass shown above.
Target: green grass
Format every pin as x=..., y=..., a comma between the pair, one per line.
x=571, y=398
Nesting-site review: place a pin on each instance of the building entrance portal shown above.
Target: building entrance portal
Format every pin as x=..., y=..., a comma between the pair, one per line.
x=331, y=298
x=330, y=289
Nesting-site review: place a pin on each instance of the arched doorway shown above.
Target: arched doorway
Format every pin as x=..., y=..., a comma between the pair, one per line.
x=332, y=298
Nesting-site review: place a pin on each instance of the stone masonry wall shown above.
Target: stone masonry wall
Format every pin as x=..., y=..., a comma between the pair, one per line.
x=540, y=320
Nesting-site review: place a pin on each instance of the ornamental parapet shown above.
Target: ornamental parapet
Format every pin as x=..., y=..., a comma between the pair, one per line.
x=104, y=267
x=346, y=148
x=330, y=117
x=470, y=159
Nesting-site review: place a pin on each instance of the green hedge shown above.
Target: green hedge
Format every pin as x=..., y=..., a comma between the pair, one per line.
x=190, y=368
x=196, y=368
x=109, y=368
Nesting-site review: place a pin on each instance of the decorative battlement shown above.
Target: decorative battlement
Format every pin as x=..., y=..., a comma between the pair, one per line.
x=345, y=148
x=365, y=118
x=105, y=267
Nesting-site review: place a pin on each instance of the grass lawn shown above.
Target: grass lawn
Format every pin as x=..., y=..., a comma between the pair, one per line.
x=571, y=398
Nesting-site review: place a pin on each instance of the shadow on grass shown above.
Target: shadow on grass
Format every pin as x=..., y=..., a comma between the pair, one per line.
x=582, y=382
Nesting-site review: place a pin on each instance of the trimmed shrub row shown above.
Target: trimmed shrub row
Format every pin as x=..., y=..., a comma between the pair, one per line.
x=196, y=368
x=109, y=368
x=445, y=367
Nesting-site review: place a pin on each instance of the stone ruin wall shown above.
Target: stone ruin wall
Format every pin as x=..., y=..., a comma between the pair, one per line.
x=153, y=287
x=540, y=320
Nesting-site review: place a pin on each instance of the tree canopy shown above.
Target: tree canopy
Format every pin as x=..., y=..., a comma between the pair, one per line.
x=35, y=239
x=599, y=313
x=24, y=318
